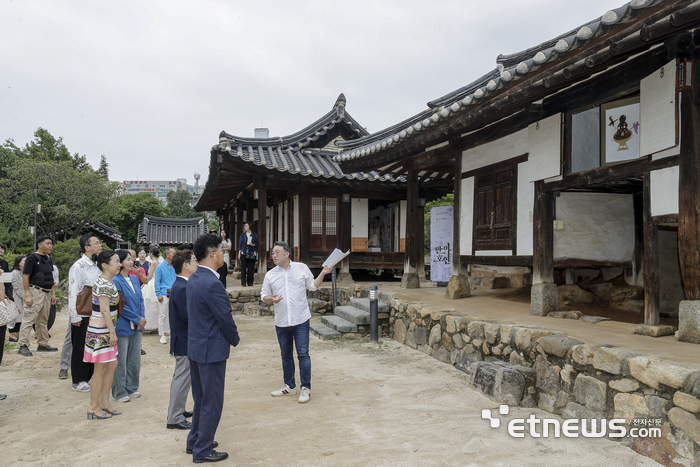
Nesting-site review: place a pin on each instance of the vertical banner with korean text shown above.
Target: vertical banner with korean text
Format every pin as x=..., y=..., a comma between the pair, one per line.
x=441, y=227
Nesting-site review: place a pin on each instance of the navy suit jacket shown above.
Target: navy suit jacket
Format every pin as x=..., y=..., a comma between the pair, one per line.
x=177, y=311
x=243, y=242
x=210, y=324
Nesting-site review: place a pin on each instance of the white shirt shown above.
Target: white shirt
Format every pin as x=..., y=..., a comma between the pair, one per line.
x=291, y=284
x=225, y=243
x=205, y=267
x=83, y=272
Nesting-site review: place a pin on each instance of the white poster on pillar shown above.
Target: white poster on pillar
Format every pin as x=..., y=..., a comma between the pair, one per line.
x=441, y=243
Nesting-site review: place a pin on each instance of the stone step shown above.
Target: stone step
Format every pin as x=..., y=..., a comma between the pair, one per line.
x=338, y=323
x=324, y=332
x=363, y=304
x=352, y=314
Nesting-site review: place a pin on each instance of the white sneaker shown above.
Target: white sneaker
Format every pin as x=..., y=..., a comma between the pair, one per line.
x=285, y=391
x=135, y=394
x=164, y=339
x=123, y=399
x=305, y=395
x=81, y=387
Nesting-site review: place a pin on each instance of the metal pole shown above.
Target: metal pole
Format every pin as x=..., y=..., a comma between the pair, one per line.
x=373, y=315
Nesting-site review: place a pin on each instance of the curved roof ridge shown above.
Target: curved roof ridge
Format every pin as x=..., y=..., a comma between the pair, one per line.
x=371, y=138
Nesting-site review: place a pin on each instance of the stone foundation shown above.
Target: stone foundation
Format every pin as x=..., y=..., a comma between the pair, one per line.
x=544, y=299
x=458, y=287
x=535, y=367
x=410, y=280
x=689, y=321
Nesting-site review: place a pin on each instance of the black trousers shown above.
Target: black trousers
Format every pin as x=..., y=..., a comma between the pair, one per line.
x=247, y=271
x=80, y=370
x=223, y=272
x=2, y=341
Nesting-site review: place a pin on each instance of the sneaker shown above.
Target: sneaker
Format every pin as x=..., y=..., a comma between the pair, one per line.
x=123, y=399
x=135, y=394
x=81, y=387
x=3, y=397
x=24, y=350
x=164, y=339
x=285, y=391
x=63, y=374
x=305, y=395
x=143, y=352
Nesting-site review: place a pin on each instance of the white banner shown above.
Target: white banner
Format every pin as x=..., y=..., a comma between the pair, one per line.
x=441, y=227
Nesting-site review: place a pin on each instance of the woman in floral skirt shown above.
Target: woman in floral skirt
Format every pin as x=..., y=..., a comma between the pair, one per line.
x=101, y=338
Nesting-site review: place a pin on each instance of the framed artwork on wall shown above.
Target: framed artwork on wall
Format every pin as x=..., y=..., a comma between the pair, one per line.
x=619, y=130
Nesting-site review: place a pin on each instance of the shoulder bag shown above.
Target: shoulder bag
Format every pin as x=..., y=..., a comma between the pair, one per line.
x=8, y=312
x=83, y=302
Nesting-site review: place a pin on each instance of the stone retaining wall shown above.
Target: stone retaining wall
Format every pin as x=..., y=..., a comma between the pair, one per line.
x=535, y=367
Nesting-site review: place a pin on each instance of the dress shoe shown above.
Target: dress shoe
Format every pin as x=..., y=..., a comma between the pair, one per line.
x=187, y=414
x=46, y=348
x=143, y=352
x=4, y=396
x=214, y=445
x=213, y=457
x=24, y=350
x=62, y=374
x=183, y=425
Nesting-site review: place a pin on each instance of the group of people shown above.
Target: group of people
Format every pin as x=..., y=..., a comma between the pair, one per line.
x=108, y=315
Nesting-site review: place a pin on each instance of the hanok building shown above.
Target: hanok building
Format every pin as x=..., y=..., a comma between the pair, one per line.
x=290, y=189
x=582, y=153
x=170, y=232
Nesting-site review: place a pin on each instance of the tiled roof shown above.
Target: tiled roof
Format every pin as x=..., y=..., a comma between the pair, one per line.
x=166, y=231
x=509, y=69
x=105, y=230
x=299, y=153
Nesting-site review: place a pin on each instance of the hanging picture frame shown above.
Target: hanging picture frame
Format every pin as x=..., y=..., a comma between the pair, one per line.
x=619, y=130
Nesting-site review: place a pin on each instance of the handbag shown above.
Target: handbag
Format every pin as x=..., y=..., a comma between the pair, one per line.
x=83, y=302
x=120, y=305
x=8, y=312
x=251, y=254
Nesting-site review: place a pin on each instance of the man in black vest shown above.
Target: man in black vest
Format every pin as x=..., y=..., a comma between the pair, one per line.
x=39, y=295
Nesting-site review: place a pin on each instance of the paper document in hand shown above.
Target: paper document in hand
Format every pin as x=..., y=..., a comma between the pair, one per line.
x=335, y=257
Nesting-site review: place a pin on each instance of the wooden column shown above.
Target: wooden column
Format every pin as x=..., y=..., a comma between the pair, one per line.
x=249, y=207
x=636, y=273
x=304, y=225
x=414, y=236
x=456, y=226
x=543, y=235
x=262, y=226
x=344, y=236
x=239, y=228
x=651, y=260
x=689, y=186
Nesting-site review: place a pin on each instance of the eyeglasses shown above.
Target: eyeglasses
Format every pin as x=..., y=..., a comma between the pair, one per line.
x=97, y=244
x=277, y=253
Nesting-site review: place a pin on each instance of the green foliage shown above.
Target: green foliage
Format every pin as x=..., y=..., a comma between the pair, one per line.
x=74, y=197
x=64, y=254
x=179, y=205
x=447, y=200
x=213, y=224
x=103, y=171
x=17, y=240
x=130, y=211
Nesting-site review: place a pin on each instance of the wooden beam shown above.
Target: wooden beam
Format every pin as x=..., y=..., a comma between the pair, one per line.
x=666, y=219
x=456, y=229
x=543, y=235
x=651, y=260
x=496, y=260
x=414, y=236
x=580, y=263
x=689, y=185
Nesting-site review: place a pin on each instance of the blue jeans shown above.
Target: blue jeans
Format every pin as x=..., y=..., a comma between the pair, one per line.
x=126, y=376
x=298, y=336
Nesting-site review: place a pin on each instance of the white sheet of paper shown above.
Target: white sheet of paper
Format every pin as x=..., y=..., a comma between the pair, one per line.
x=5, y=277
x=335, y=258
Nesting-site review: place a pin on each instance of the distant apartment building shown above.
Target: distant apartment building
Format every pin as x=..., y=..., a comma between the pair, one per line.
x=161, y=188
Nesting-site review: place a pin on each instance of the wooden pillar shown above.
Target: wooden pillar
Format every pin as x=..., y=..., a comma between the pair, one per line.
x=689, y=186
x=345, y=236
x=543, y=235
x=304, y=225
x=458, y=287
x=262, y=226
x=239, y=227
x=651, y=260
x=414, y=236
x=249, y=207
x=635, y=276
x=544, y=297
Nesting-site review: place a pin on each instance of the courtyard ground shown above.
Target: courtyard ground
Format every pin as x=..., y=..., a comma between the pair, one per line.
x=371, y=404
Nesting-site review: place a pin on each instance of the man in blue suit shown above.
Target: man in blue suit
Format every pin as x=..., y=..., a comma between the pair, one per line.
x=211, y=331
x=185, y=265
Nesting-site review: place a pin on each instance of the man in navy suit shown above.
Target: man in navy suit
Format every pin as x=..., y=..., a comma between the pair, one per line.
x=211, y=333
x=185, y=265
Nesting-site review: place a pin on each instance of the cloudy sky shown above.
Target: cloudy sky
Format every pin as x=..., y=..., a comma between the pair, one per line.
x=150, y=84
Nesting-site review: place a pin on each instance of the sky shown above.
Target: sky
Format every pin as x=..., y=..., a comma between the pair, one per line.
x=151, y=84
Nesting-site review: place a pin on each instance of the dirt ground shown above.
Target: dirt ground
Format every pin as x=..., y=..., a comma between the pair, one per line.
x=380, y=404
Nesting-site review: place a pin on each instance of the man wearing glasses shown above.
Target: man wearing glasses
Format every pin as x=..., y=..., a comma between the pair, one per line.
x=211, y=332
x=286, y=286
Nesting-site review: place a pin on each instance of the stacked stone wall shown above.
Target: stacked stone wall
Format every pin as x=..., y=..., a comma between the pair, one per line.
x=536, y=367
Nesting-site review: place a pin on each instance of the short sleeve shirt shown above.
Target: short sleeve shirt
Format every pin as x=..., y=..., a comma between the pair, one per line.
x=40, y=270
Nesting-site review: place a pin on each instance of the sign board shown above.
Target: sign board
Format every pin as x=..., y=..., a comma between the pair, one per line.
x=441, y=242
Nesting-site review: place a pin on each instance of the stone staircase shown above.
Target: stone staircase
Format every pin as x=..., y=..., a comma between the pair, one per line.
x=353, y=318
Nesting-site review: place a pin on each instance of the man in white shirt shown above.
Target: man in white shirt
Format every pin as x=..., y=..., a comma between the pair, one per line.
x=286, y=286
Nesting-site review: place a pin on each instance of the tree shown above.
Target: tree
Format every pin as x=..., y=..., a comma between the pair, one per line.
x=130, y=211
x=44, y=147
x=179, y=205
x=64, y=254
x=69, y=197
x=103, y=171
